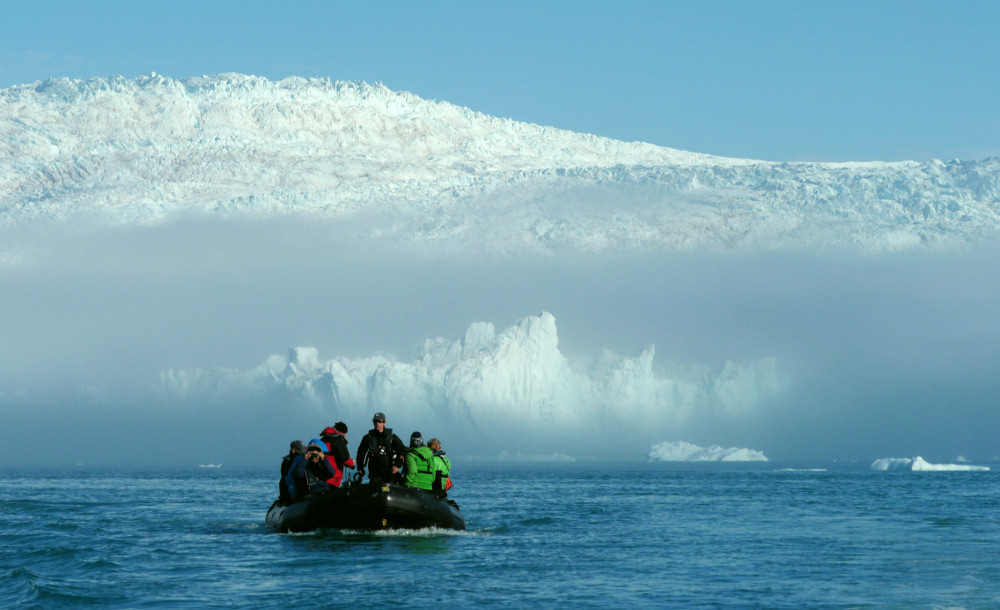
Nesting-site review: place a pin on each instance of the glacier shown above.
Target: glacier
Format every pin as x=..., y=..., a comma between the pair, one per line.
x=918, y=464
x=682, y=451
x=423, y=173
x=174, y=233
x=492, y=380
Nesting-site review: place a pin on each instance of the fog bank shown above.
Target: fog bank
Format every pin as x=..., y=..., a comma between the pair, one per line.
x=877, y=355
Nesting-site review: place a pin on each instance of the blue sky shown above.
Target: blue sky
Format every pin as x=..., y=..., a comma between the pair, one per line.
x=891, y=356
x=775, y=80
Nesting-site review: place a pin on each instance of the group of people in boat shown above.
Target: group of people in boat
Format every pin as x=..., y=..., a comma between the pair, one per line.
x=320, y=465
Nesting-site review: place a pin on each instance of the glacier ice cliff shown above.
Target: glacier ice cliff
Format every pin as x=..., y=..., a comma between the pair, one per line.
x=508, y=378
x=149, y=149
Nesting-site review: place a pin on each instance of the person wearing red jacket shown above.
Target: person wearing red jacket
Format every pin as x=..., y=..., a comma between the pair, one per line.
x=338, y=456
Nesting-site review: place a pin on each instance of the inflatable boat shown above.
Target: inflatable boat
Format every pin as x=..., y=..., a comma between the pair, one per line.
x=366, y=506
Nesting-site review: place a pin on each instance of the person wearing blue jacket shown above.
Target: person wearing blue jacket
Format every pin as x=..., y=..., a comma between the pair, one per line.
x=309, y=472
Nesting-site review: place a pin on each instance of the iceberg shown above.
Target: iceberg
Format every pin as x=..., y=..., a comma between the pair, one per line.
x=681, y=451
x=491, y=377
x=918, y=464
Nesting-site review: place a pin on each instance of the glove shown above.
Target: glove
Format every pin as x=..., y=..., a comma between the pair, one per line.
x=349, y=463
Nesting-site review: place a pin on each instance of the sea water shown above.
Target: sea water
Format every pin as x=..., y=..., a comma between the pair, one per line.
x=758, y=535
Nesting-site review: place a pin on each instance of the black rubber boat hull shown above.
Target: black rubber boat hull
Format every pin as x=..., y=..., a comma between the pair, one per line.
x=366, y=507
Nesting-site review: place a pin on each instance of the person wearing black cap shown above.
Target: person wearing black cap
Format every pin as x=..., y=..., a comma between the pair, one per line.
x=296, y=448
x=419, y=464
x=381, y=452
x=338, y=455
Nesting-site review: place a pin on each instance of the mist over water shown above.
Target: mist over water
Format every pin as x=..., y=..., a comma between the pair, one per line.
x=884, y=355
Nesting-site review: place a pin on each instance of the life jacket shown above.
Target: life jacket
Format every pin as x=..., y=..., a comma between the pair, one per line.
x=442, y=482
x=312, y=479
x=377, y=443
x=439, y=485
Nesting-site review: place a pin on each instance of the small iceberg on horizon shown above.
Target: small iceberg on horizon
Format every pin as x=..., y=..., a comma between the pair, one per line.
x=209, y=465
x=681, y=451
x=918, y=464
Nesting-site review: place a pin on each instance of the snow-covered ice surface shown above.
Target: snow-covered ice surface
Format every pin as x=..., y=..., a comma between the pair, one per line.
x=149, y=149
x=682, y=451
x=918, y=464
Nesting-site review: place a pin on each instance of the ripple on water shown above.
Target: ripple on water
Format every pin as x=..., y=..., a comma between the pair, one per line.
x=649, y=537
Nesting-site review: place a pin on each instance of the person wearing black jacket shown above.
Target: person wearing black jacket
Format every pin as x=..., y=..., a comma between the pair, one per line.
x=295, y=449
x=381, y=452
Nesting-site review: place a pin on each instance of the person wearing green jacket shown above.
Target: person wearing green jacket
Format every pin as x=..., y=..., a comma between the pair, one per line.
x=442, y=467
x=420, y=472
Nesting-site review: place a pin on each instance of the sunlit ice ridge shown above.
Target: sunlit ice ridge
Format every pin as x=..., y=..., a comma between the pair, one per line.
x=513, y=379
x=118, y=151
